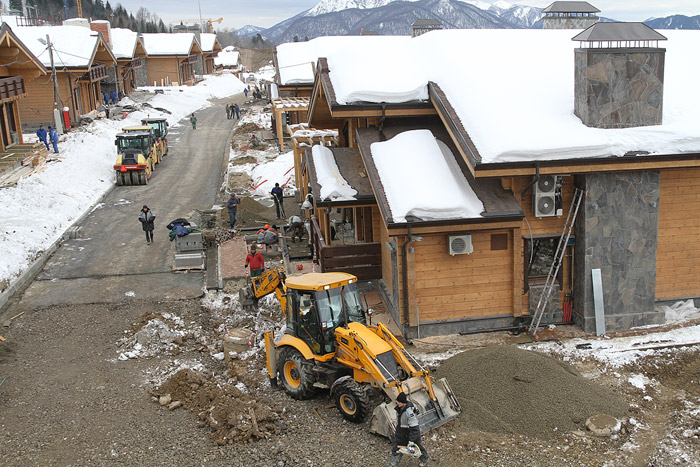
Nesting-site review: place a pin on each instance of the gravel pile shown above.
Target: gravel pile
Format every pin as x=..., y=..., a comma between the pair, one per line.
x=508, y=390
x=251, y=213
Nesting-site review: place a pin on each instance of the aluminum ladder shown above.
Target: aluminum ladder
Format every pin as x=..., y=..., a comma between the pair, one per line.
x=556, y=263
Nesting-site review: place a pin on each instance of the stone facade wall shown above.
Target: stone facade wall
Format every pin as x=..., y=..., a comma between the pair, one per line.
x=199, y=66
x=141, y=75
x=576, y=22
x=552, y=312
x=619, y=88
x=617, y=231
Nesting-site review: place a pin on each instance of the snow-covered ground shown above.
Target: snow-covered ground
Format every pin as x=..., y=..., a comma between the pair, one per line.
x=39, y=209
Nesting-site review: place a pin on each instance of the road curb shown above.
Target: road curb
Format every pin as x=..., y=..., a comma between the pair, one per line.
x=34, y=269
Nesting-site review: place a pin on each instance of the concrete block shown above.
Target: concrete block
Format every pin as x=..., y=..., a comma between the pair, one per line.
x=189, y=261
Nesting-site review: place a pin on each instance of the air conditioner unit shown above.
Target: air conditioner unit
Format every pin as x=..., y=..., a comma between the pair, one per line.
x=544, y=202
x=460, y=245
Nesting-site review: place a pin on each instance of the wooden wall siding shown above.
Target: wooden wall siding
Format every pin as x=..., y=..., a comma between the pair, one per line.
x=160, y=68
x=538, y=226
x=37, y=107
x=462, y=286
x=378, y=227
x=678, y=251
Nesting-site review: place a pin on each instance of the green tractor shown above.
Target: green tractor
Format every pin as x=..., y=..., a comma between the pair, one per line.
x=135, y=157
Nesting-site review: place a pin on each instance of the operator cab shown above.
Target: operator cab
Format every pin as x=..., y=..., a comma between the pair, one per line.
x=159, y=125
x=136, y=140
x=313, y=315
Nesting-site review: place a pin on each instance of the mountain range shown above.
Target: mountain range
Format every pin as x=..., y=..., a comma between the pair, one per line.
x=394, y=17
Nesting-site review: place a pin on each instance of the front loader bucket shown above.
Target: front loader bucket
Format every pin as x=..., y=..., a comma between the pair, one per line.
x=431, y=414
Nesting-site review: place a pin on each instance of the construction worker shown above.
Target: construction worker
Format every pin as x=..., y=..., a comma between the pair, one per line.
x=193, y=121
x=53, y=136
x=232, y=208
x=256, y=262
x=296, y=225
x=407, y=429
x=42, y=135
x=278, y=196
x=147, y=219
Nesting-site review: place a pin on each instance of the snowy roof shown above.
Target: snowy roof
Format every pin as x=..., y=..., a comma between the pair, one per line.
x=619, y=32
x=124, y=42
x=526, y=92
x=208, y=41
x=227, y=57
x=571, y=7
x=296, y=60
x=413, y=193
x=74, y=46
x=328, y=176
x=169, y=44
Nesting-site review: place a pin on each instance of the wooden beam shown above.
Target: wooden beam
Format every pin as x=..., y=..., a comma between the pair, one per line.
x=411, y=284
x=378, y=113
x=280, y=135
x=459, y=228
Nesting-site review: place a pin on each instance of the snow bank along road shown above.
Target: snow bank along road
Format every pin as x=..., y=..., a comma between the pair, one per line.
x=110, y=260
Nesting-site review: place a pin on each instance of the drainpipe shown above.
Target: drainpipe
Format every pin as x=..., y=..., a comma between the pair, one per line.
x=404, y=272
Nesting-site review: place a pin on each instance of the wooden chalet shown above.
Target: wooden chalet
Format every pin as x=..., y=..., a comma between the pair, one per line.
x=131, y=55
x=171, y=58
x=19, y=65
x=636, y=223
x=210, y=49
x=228, y=59
x=81, y=58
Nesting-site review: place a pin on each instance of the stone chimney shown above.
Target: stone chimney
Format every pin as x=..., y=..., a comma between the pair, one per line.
x=619, y=76
x=103, y=28
x=569, y=15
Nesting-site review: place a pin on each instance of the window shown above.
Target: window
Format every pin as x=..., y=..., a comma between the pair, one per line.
x=539, y=256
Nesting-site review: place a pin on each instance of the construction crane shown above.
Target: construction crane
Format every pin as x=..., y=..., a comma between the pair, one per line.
x=67, y=8
x=210, y=22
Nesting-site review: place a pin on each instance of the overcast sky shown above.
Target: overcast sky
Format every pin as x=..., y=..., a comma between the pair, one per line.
x=267, y=13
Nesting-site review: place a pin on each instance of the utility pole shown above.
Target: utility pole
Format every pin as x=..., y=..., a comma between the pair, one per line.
x=201, y=25
x=56, y=95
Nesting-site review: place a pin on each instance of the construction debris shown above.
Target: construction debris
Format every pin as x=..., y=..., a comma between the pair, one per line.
x=232, y=415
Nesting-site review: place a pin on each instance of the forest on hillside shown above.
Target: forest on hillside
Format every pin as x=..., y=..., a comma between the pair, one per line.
x=53, y=11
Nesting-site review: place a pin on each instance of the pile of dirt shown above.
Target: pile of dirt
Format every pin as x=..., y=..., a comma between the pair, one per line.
x=244, y=160
x=233, y=416
x=504, y=389
x=246, y=128
x=250, y=213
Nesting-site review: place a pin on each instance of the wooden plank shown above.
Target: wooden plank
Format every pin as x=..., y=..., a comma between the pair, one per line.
x=362, y=272
x=357, y=249
x=369, y=260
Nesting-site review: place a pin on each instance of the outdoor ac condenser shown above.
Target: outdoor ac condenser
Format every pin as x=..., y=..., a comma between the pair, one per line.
x=460, y=245
x=544, y=202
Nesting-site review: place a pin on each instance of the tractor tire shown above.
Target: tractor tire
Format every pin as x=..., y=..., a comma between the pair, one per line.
x=352, y=401
x=127, y=178
x=120, y=179
x=143, y=178
x=296, y=375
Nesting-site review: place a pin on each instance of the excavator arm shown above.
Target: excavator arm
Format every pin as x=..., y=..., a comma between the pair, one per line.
x=271, y=281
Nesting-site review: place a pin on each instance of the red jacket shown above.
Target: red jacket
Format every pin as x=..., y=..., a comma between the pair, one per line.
x=256, y=262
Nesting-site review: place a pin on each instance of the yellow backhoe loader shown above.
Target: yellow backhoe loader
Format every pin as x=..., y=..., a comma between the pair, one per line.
x=327, y=344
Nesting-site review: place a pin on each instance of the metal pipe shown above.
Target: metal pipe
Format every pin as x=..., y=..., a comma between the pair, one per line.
x=404, y=272
x=534, y=180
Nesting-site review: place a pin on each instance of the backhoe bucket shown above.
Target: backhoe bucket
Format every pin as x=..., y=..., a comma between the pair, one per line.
x=247, y=298
x=431, y=414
